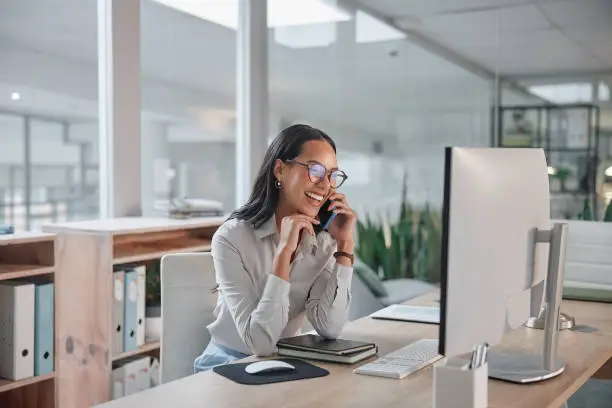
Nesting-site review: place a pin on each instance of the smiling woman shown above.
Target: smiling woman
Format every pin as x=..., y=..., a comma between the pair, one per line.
x=281, y=175
x=272, y=268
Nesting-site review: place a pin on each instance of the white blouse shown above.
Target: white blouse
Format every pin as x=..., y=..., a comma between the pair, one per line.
x=256, y=308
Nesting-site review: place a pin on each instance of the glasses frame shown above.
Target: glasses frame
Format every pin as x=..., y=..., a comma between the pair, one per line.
x=328, y=173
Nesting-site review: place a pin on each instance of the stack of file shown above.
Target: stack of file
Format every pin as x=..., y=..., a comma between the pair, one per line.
x=131, y=375
x=314, y=347
x=27, y=328
x=190, y=208
x=129, y=297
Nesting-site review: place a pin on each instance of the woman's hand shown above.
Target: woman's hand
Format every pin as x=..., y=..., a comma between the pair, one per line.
x=342, y=228
x=290, y=231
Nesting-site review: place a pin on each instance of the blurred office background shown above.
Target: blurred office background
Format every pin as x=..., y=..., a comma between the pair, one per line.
x=392, y=81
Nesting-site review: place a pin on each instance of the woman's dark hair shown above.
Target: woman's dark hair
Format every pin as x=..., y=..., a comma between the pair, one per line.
x=287, y=145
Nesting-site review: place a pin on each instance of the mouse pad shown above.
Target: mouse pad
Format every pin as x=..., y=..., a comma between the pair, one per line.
x=303, y=370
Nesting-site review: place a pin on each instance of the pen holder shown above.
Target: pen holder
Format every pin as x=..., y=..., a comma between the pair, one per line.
x=459, y=387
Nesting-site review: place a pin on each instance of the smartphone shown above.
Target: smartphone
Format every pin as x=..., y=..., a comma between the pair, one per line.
x=325, y=217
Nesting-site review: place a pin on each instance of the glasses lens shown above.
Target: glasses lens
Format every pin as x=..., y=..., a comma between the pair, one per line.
x=337, y=178
x=316, y=172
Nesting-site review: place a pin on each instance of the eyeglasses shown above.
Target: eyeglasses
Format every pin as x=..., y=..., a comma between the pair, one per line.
x=316, y=173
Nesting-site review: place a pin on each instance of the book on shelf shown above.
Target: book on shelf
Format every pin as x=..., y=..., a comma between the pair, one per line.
x=129, y=301
x=315, y=347
x=27, y=328
x=131, y=375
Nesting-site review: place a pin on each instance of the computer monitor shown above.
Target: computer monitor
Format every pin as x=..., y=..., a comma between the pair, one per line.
x=496, y=221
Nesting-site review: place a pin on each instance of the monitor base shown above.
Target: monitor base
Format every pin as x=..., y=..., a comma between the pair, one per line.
x=521, y=368
x=566, y=322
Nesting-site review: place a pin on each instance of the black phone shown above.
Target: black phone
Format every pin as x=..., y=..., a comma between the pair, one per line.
x=325, y=216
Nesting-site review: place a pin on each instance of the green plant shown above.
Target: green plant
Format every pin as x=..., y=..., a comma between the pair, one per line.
x=153, y=284
x=562, y=174
x=608, y=213
x=408, y=248
x=586, y=214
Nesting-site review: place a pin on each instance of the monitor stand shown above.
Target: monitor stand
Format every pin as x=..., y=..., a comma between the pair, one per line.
x=522, y=367
x=566, y=322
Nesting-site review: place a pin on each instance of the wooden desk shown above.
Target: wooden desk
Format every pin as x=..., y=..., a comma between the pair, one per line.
x=585, y=353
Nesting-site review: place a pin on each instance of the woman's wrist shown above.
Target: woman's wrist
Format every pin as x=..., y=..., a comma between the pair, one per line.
x=347, y=246
x=281, y=264
x=344, y=255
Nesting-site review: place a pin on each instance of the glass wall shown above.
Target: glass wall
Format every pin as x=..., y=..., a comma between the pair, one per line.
x=567, y=117
x=12, y=176
x=48, y=112
x=390, y=104
x=188, y=106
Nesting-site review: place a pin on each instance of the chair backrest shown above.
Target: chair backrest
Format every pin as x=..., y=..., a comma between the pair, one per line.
x=188, y=302
x=589, y=252
x=363, y=302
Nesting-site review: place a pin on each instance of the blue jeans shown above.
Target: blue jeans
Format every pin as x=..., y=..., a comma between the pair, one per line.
x=215, y=355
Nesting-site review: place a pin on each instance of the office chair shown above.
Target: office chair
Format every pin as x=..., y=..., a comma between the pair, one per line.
x=188, y=301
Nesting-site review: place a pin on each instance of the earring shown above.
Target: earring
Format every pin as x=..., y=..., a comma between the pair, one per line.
x=277, y=184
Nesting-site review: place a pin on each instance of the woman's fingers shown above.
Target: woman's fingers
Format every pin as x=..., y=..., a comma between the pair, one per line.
x=338, y=201
x=337, y=197
x=339, y=205
x=301, y=217
x=345, y=211
x=307, y=225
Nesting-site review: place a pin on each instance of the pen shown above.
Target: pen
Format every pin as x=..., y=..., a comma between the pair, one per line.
x=483, y=357
x=478, y=355
x=473, y=358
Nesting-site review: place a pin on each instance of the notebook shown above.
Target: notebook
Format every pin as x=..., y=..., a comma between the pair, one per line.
x=335, y=358
x=319, y=344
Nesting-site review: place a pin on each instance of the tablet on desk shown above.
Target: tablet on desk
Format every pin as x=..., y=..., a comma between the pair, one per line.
x=406, y=313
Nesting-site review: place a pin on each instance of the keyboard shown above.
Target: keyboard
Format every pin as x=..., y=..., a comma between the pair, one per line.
x=419, y=314
x=403, y=362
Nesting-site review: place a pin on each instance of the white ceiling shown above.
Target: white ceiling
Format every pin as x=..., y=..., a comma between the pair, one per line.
x=360, y=85
x=513, y=37
x=189, y=64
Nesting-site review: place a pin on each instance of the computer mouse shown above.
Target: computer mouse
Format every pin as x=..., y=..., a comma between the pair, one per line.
x=268, y=366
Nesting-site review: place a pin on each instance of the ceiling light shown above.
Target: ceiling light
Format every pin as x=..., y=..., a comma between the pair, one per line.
x=281, y=13
x=15, y=96
x=608, y=172
x=307, y=36
x=564, y=93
